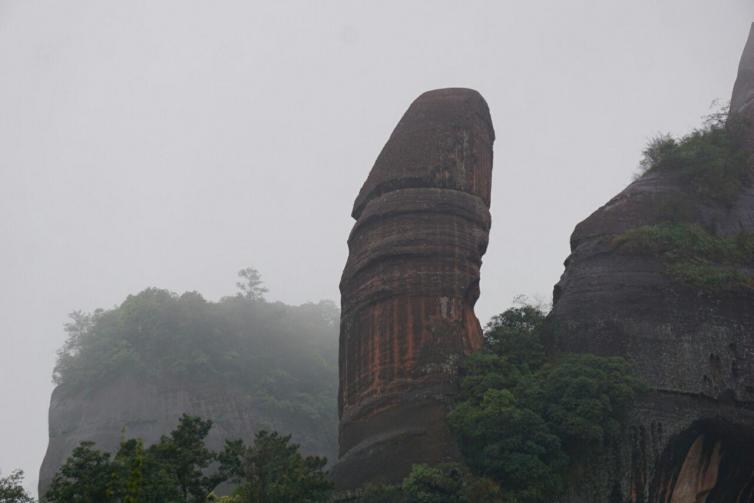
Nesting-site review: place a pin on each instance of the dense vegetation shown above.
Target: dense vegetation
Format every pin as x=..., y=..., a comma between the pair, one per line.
x=523, y=419
x=446, y=483
x=713, y=161
x=694, y=256
x=273, y=471
x=283, y=356
x=180, y=469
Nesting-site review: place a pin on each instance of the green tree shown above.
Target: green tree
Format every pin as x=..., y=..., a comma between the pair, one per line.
x=12, y=489
x=524, y=417
x=515, y=333
x=130, y=460
x=174, y=470
x=448, y=483
x=77, y=329
x=272, y=470
x=585, y=400
x=444, y=483
x=512, y=444
x=251, y=284
x=85, y=477
x=184, y=458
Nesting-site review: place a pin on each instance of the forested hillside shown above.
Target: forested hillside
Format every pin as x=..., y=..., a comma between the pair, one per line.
x=244, y=362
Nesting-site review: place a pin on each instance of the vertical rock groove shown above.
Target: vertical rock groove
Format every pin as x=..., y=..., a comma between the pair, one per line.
x=409, y=287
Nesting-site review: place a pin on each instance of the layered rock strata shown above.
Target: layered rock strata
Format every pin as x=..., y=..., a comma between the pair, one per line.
x=409, y=287
x=692, y=434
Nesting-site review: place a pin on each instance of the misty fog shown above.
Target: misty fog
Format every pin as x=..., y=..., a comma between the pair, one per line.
x=172, y=143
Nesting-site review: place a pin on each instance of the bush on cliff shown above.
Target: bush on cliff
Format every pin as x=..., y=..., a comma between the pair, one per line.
x=523, y=418
x=694, y=256
x=713, y=161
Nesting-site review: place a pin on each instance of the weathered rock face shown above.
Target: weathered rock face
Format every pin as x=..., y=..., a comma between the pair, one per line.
x=692, y=434
x=409, y=287
x=134, y=407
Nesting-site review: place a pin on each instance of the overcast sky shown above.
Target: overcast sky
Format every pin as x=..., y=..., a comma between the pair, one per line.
x=171, y=143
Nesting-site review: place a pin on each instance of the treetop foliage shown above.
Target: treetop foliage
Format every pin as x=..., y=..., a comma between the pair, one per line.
x=273, y=471
x=444, y=483
x=251, y=286
x=180, y=469
x=159, y=333
x=524, y=417
x=12, y=489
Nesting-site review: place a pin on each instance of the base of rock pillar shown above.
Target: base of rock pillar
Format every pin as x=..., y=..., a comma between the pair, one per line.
x=399, y=437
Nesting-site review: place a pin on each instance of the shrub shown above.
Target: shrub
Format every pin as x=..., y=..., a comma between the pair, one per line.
x=713, y=161
x=693, y=256
x=445, y=483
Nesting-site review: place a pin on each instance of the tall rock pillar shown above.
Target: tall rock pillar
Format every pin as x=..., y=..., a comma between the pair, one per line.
x=409, y=287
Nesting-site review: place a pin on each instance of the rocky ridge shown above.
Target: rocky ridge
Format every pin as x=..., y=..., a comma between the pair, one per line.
x=692, y=435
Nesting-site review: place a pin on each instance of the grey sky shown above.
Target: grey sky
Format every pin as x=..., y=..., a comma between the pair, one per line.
x=171, y=143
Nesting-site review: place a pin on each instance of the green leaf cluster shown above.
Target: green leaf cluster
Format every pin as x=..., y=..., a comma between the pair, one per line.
x=714, y=161
x=694, y=256
x=12, y=489
x=523, y=418
x=445, y=483
x=273, y=471
x=180, y=469
x=172, y=470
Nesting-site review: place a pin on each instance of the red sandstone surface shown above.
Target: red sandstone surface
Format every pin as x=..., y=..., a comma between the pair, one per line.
x=409, y=287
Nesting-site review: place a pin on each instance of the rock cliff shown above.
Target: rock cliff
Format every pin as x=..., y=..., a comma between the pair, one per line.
x=685, y=323
x=134, y=407
x=409, y=287
x=246, y=365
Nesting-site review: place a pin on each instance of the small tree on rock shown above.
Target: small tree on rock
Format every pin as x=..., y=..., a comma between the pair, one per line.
x=251, y=285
